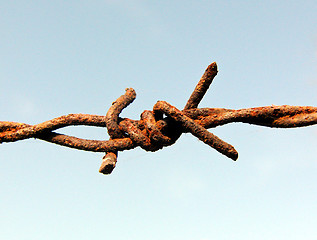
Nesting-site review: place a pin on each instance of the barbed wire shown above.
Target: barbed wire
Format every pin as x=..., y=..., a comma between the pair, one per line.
x=159, y=127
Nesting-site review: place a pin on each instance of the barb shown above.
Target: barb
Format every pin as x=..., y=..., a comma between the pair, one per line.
x=202, y=86
x=110, y=159
x=154, y=131
x=197, y=130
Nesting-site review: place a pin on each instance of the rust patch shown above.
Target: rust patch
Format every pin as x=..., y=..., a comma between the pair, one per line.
x=159, y=127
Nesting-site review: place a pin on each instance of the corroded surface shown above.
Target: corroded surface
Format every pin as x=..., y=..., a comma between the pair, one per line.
x=154, y=131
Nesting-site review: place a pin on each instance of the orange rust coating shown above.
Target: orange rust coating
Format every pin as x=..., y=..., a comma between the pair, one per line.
x=202, y=86
x=270, y=116
x=117, y=106
x=135, y=134
x=29, y=131
x=112, y=118
x=154, y=131
x=198, y=131
x=89, y=145
x=108, y=163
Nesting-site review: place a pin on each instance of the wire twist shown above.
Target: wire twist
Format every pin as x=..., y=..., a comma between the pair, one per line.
x=159, y=127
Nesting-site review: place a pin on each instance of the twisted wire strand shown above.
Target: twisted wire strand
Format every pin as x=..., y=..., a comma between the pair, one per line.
x=154, y=131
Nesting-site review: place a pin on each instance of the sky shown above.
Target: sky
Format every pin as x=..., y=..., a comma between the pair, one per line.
x=61, y=57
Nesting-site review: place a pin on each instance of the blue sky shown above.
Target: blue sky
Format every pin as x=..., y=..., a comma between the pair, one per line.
x=61, y=57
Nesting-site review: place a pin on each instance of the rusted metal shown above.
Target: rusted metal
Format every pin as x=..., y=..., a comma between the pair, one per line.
x=197, y=130
x=202, y=86
x=159, y=127
x=108, y=163
x=112, y=117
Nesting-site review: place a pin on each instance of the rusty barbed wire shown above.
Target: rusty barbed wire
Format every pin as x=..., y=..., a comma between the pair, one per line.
x=159, y=127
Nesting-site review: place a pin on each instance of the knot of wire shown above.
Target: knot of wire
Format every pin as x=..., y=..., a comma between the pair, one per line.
x=159, y=127
x=154, y=131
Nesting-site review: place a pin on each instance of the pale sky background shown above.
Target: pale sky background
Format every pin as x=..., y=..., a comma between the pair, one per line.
x=60, y=57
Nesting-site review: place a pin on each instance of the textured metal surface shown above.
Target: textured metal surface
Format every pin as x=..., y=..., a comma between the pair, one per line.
x=154, y=131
